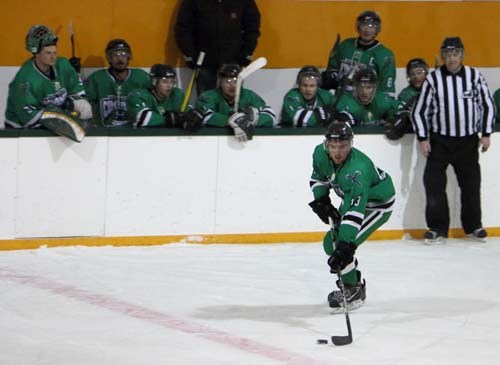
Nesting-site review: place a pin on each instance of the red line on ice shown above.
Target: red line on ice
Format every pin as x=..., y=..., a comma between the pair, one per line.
x=161, y=319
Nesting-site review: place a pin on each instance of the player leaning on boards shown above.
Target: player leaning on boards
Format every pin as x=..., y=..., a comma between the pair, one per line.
x=364, y=51
x=107, y=89
x=217, y=106
x=454, y=106
x=366, y=103
x=47, y=91
x=307, y=105
x=367, y=195
x=416, y=72
x=160, y=105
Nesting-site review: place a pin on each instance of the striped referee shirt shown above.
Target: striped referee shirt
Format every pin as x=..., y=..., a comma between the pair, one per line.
x=454, y=105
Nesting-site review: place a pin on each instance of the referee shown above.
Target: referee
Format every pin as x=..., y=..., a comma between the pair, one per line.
x=454, y=106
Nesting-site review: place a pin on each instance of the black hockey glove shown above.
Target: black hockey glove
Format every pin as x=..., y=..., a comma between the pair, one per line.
x=323, y=115
x=342, y=256
x=75, y=62
x=191, y=120
x=329, y=80
x=242, y=126
x=324, y=209
x=398, y=127
x=171, y=119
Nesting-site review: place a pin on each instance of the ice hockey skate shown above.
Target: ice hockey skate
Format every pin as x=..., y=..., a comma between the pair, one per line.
x=478, y=235
x=433, y=238
x=355, y=297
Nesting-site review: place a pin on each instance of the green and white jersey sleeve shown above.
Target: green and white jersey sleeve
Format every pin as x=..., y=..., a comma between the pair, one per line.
x=297, y=112
x=360, y=185
x=216, y=109
x=108, y=96
x=349, y=57
x=377, y=112
x=145, y=110
x=407, y=97
x=32, y=90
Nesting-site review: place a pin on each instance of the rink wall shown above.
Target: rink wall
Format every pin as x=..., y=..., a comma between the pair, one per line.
x=144, y=189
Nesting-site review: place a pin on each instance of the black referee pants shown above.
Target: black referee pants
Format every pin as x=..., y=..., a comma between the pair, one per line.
x=463, y=155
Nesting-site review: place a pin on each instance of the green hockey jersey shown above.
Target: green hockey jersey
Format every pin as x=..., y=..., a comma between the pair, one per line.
x=360, y=185
x=145, y=110
x=407, y=97
x=296, y=111
x=216, y=109
x=32, y=90
x=108, y=96
x=350, y=57
x=377, y=112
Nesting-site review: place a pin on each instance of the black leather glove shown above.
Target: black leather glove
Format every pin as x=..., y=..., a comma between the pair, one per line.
x=324, y=209
x=342, y=256
x=75, y=62
x=329, y=80
x=191, y=120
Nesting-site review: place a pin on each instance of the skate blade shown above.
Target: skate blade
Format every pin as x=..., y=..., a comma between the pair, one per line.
x=350, y=307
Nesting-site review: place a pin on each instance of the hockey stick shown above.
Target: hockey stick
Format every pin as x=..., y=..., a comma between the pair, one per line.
x=75, y=61
x=251, y=68
x=71, y=38
x=194, y=76
x=341, y=340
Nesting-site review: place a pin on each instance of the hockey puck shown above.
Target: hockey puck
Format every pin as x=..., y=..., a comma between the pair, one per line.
x=322, y=342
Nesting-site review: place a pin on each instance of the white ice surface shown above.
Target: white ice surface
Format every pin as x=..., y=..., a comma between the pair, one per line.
x=186, y=304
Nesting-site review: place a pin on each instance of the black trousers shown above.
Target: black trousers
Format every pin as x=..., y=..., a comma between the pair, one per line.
x=207, y=79
x=463, y=155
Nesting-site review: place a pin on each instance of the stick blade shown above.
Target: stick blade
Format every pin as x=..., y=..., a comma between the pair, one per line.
x=341, y=340
x=254, y=66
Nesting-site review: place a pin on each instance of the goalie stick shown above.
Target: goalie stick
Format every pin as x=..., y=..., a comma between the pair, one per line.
x=194, y=77
x=342, y=340
x=247, y=71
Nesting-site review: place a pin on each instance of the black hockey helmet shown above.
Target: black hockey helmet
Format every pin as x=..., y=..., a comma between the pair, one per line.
x=161, y=71
x=451, y=44
x=340, y=129
x=416, y=63
x=369, y=16
x=309, y=71
x=365, y=76
x=118, y=44
x=39, y=36
x=228, y=70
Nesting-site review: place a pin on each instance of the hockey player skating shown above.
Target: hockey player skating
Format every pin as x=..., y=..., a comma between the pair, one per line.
x=416, y=72
x=46, y=90
x=364, y=51
x=160, y=105
x=367, y=195
x=366, y=103
x=307, y=105
x=217, y=106
x=107, y=89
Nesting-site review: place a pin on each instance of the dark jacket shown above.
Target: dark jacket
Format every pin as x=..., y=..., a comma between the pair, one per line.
x=226, y=30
